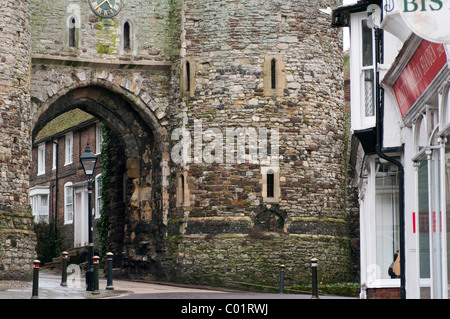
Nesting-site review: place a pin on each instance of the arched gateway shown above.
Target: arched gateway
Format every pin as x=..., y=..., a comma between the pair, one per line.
x=261, y=180
x=141, y=134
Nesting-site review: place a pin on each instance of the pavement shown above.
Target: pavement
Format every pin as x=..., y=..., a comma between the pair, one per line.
x=50, y=288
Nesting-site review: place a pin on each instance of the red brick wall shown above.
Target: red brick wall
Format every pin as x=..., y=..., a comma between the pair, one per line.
x=383, y=293
x=66, y=173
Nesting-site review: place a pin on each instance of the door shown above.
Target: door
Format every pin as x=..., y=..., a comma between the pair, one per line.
x=81, y=217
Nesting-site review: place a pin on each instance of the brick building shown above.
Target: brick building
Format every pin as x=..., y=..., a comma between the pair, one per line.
x=58, y=185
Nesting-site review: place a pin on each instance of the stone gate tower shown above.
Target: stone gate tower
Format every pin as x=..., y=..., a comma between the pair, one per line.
x=17, y=240
x=247, y=69
x=231, y=116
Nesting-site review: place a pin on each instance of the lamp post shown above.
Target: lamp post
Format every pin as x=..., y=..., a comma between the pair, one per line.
x=88, y=160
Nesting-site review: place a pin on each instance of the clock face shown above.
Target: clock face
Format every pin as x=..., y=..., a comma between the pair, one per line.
x=106, y=8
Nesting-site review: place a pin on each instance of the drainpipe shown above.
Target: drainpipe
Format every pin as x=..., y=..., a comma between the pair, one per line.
x=56, y=185
x=379, y=105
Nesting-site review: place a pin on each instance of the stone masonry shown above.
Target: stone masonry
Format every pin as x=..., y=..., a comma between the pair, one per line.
x=17, y=239
x=219, y=237
x=210, y=69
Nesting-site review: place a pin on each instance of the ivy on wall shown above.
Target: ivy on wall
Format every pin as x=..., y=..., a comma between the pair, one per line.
x=103, y=223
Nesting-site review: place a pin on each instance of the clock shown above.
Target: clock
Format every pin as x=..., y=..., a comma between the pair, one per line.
x=106, y=8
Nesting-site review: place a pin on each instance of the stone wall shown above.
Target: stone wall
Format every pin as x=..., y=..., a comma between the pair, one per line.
x=126, y=89
x=227, y=65
x=17, y=240
x=239, y=261
x=15, y=146
x=218, y=236
x=152, y=33
x=17, y=245
x=229, y=45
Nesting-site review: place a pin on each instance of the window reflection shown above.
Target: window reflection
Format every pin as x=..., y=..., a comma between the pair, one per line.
x=387, y=218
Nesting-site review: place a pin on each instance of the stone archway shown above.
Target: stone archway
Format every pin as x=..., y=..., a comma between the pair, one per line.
x=145, y=148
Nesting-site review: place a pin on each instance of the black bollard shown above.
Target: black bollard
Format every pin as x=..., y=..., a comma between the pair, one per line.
x=282, y=267
x=65, y=258
x=35, y=294
x=95, y=262
x=109, y=284
x=315, y=289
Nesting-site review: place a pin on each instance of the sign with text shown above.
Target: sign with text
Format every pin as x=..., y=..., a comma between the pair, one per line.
x=418, y=74
x=427, y=18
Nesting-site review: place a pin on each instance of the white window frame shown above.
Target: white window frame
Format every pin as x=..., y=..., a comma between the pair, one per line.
x=68, y=207
x=69, y=148
x=359, y=119
x=98, y=138
x=98, y=196
x=40, y=212
x=372, y=276
x=55, y=149
x=41, y=159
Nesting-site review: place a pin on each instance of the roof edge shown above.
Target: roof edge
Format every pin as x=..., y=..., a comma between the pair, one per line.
x=340, y=16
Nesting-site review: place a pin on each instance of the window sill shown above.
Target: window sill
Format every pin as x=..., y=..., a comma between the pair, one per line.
x=271, y=200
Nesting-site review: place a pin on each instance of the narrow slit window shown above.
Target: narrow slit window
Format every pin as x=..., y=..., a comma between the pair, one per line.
x=181, y=201
x=126, y=36
x=270, y=185
x=273, y=69
x=188, y=76
x=72, y=35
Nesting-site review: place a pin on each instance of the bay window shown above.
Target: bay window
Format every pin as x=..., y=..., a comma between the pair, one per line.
x=39, y=201
x=362, y=67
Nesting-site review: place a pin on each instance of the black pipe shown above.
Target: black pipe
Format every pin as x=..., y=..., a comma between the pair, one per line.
x=379, y=104
x=56, y=185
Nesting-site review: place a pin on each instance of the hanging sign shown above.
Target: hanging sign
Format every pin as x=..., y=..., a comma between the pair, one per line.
x=418, y=74
x=427, y=18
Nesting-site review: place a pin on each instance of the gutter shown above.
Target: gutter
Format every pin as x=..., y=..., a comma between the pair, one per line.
x=379, y=106
x=341, y=18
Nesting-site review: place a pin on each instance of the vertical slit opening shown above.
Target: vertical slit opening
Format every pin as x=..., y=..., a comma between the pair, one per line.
x=273, y=69
x=72, y=35
x=126, y=36
x=188, y=76
x=270, y=185
x=181, y=189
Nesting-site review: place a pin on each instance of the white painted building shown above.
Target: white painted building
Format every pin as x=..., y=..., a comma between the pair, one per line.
x=402, y=150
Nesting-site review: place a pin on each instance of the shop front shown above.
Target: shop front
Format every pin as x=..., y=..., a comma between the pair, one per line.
x=418, y=81
x=404, y=215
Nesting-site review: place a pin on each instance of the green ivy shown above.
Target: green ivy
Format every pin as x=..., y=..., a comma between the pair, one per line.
x=103, y=224
x=49, y=243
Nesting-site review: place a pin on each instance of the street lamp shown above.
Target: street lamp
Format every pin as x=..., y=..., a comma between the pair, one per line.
x=88, y=160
